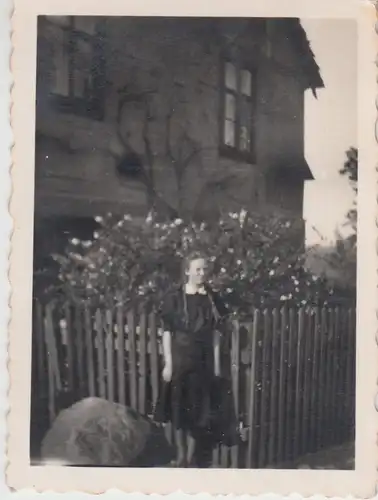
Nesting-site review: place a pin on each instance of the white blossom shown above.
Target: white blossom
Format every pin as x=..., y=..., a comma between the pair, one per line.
x=229, y=290
x=120, y=223
x=87, y=244
x=96, y=235
x=238, y=262
x=271, y=272
x=99, y=219
x=223, y=270
x=275, y=260
x=178, y=222
x=127, y=217
x=242, y=216
x=75, y=241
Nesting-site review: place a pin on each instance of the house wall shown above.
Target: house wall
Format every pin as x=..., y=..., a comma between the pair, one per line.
x=76, y=157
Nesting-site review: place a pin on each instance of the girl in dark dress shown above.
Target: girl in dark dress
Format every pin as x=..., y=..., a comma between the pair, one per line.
x=191, y=351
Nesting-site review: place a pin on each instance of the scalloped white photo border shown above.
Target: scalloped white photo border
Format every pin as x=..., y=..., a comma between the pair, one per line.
x=19, y=474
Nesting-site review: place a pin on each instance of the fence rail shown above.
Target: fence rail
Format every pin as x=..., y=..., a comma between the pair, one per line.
x=291, y=373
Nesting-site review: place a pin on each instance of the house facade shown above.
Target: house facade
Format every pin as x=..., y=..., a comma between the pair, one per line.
x=194, y=117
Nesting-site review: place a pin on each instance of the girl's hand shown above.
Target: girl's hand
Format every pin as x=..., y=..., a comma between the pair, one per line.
x=167, y=373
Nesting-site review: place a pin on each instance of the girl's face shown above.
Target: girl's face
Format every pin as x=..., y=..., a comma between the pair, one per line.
x=197, y=271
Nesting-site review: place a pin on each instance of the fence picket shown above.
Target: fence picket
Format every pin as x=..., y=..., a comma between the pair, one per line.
x=253, y=333
x=298, y=383
x=121, y=355
x=282, y=387
x=335, y=375
x=54, y=383
x=69, y=346
x=274, y=380
x=79, y=349
x=154, y=358
x=322, y=379
x=289, y=390
x=133, y=376
x=307, y=371
x=51, y=346
x=328, y=387
x=109, y=345
x=350, y=368
x=89, y=351
x=100, y=354
x=314, y=381
x=235, y=372
x=40, y=344
x=143, y=363
x=266, y=348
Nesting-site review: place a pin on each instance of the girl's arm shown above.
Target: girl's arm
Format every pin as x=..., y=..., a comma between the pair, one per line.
x=167, y=348
x=217, y=356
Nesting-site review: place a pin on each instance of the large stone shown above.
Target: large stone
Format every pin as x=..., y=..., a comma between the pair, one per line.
x=96, y=432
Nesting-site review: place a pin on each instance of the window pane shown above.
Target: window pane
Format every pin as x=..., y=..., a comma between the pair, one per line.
x=60, y=81
x=87, y=24
x=229, y=133
x=82, y=68
x=230, y=110
x=246, y=82
x=59, y=20
x=83, y=55
x=230, y=77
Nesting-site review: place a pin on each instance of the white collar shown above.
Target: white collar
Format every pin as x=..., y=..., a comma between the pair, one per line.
x=190, y=291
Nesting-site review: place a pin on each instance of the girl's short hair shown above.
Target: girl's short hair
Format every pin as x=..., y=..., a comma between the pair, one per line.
x=195, y=255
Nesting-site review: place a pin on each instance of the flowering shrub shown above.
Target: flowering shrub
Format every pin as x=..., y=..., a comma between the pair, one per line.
x=256, y=260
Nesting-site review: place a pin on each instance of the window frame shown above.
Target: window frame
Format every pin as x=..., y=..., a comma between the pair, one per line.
x=94, y=106
x=234, y=152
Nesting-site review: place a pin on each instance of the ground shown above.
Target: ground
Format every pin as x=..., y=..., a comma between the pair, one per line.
x=338, y=457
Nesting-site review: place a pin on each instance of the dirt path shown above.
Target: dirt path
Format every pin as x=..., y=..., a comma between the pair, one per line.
x=338, y=457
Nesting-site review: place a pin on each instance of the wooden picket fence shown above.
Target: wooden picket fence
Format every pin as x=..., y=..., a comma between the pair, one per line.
x=291, y=373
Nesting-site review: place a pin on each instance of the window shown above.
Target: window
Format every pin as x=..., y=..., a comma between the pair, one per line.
x=237, y=110
x=77, y=79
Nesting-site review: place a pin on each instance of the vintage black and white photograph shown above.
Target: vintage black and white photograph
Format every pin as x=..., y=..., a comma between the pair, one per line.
x=195, y=236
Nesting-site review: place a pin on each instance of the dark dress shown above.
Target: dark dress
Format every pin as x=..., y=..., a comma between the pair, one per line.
x=186, y=401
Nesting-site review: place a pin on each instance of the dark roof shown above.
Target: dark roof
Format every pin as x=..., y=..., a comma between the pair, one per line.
x=307, y=57
x=297, y=170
